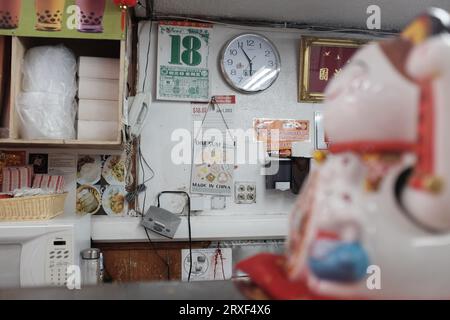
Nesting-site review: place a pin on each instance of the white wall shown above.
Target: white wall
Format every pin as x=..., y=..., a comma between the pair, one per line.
x=267, y=219
x=279, y=101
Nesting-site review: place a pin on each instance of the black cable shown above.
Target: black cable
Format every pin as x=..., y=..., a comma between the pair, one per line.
x=188, y=220
x=141, y=162
x=190, y=242
x=147, y=165
x=147, y=57
x=142, y=187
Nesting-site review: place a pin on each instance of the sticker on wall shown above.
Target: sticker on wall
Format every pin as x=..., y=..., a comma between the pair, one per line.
x=183, y=54
x=279, y=134
x=207, y=264
x=101, y=185
x=99, y=19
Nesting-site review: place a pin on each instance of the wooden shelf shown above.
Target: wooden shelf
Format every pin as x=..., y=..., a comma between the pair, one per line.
x=81, y=47
x=57, y=143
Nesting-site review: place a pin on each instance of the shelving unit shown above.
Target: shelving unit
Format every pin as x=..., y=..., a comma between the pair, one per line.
x=81, y=47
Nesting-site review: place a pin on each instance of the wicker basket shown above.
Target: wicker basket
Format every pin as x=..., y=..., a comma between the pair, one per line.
x=32, y=208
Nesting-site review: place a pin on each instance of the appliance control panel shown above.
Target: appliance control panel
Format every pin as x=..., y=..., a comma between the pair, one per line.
x=59, y=257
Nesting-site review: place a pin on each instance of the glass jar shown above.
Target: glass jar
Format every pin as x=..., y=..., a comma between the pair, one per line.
x=91, y=267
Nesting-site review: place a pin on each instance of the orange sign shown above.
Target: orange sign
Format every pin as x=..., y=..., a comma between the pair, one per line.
x=281, y=133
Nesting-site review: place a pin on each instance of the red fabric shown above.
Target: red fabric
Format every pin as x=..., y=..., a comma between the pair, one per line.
x=268, y=273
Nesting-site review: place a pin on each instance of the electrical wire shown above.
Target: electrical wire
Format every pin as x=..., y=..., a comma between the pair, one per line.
x=188, y=204
x=164, y=261
x=142, y=160
x=147, y=58
x=277, y=25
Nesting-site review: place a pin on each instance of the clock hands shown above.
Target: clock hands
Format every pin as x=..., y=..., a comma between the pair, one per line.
x=246, y=55
x=249, y=61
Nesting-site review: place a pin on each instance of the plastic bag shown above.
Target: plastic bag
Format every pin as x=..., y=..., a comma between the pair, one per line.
x=46, y=106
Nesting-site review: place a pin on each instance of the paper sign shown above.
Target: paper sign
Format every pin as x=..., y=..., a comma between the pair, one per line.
x=101, y=185
x=207, y=264
x=213, y=150
x=63, y=162
x=217, y=116
x=183, y=53
x=288, y=131
x=209, y=175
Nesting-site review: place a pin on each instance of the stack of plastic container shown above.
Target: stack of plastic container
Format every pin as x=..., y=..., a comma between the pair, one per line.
x=98, y=111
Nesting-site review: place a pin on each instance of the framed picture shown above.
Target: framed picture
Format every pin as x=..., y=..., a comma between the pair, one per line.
x=320, y=60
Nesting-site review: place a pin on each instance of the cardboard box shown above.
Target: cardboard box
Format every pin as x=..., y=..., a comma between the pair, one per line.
x=98, y=130
x=98, y=89
x=99, y=68
x=98, y=110
x=50, y=183
x=16, y=178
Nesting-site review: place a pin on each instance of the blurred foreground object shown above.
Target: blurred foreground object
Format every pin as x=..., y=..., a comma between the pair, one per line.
x=373, y=220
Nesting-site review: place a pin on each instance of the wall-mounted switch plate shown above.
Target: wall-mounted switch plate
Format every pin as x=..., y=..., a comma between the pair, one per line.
x=245, y=192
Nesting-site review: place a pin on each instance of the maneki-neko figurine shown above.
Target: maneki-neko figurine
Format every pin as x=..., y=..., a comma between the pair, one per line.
x=373, y=219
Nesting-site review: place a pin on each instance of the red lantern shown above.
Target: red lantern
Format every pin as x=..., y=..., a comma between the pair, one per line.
x=124, y=5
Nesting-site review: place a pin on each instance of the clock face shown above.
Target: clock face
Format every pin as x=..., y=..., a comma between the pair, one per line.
x=250, y=63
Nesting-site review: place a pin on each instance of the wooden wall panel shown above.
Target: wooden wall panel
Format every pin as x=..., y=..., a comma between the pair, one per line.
x=135, y=262
x=117, y=264
x=146, y=265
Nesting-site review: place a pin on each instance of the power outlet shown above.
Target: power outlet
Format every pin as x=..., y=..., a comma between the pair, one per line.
x=245, y=192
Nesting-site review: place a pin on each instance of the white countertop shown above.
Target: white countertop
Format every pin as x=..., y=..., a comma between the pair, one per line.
x=204, y=227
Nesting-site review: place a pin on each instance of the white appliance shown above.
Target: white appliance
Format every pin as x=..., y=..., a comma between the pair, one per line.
x=37, y=253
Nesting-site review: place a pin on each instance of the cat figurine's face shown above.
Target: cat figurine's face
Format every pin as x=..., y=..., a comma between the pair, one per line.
x=371, y=101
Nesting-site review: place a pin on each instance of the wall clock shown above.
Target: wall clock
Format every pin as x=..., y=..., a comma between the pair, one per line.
x=250, y=63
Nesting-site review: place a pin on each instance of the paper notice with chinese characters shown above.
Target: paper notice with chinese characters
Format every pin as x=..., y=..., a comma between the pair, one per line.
x=183, y=55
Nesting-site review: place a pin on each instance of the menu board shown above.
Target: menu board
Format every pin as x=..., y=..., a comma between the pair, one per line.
x=101, y=185
x=88, y=19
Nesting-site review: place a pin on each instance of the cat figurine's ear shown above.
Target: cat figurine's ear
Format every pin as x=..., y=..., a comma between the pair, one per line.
x=430, y=59
x=434, y=22
x=430, y=37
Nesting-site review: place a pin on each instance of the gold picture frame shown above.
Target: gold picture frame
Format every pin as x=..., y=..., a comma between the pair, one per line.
x=306, y=45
